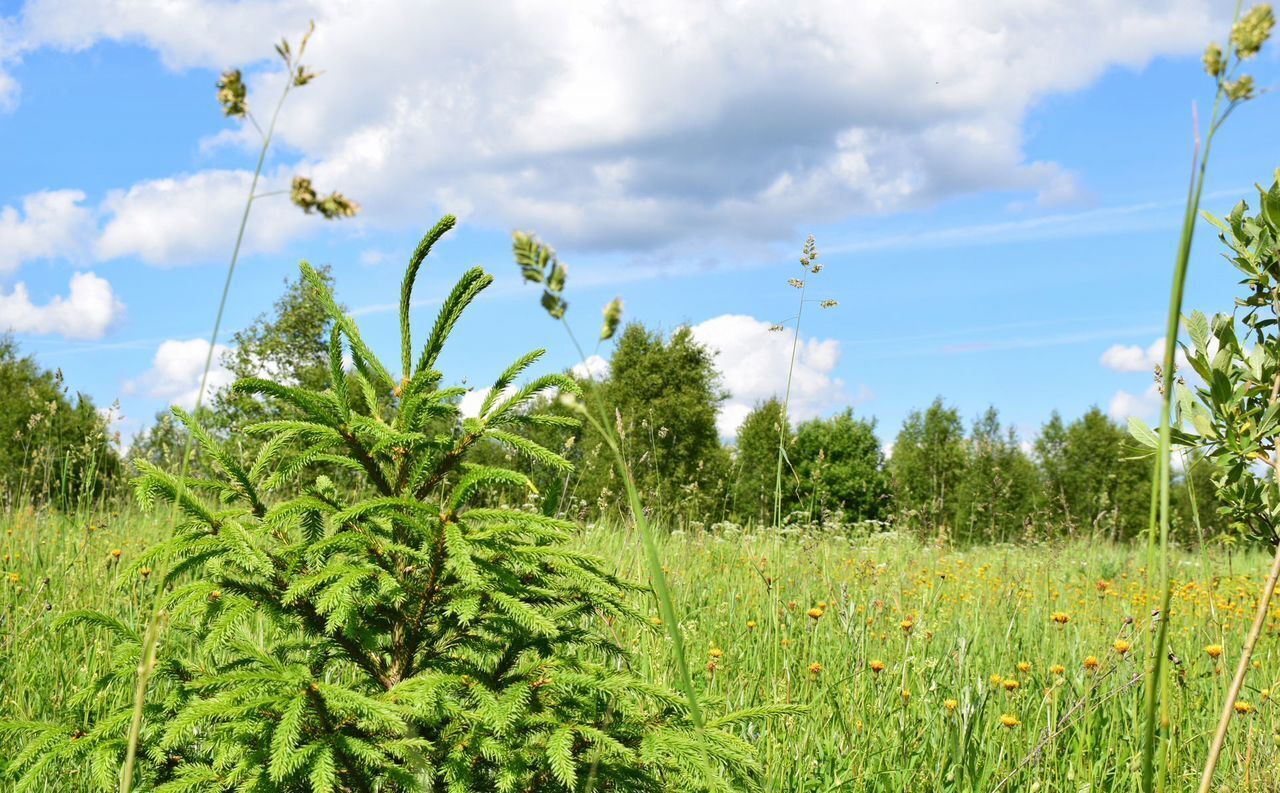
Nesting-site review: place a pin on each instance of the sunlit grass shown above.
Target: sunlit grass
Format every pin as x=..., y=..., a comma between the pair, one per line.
x=922, y=668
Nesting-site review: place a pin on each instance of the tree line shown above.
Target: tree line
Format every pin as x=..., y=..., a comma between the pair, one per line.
x=940, y=476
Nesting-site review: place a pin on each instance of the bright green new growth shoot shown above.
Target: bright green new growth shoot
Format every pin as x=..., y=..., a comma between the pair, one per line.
x=1248, y=34
x=233, y=97
x=408, y=631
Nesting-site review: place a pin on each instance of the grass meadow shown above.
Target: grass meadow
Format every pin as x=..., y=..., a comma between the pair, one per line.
x=1002, y=668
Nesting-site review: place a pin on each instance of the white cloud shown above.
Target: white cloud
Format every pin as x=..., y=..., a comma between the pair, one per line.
x=180, y=31
x=613, y=127
x=473, y=400
x=1126, y=358
x=594, y=367
x=8, y=92
x=87, y=312
x=1132, y=358
x=51, y=224
x=187, y=219
x=754, y=362
x=1143, y=406
x=8, y=52
x=176, y=370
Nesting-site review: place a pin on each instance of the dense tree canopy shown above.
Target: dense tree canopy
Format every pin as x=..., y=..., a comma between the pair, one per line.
x=840, y=468
x=53, y=446
x=1093, y=481
x=755, y=463
x=664, y=393
x=927, y=464
x=997, y=495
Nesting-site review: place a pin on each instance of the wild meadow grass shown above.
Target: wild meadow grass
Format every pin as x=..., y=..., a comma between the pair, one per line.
x=922, y=668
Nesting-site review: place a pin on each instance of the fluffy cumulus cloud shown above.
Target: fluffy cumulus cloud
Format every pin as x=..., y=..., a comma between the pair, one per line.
x=176, y=370
x=612, y=126
x=87, y=312
x=50, y=224
x=594, y=367
x=1144, y=406
x=1127, y=358
x=164, y=222
x=1137, y=359
x=182, y=220
x=1132, y=358
x=754, y=362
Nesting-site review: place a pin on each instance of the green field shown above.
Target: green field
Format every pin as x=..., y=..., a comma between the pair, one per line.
x=953, y=629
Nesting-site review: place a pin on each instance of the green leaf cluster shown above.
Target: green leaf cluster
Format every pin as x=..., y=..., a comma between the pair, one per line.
x=1229, y=415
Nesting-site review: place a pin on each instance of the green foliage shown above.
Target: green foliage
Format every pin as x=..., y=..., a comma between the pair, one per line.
x=407, y=633
x=927, y=465
x=754, y=461
x=663, y=394
x=1093, y=482
x=1231, y=416
x=162, y=443
x=997, y=493
x=290, y=345
x=996, y=601
x=839, y=468
x=52, y=448
x=1086, y=478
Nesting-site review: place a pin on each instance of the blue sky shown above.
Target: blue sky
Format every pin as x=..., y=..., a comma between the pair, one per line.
x=996, y=192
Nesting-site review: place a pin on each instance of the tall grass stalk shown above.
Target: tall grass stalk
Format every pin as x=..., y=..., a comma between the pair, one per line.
x=146, y=663
x=156, y=621
x=1160, y=482
x=1154, y=702
x=653, y=561
x=809, y=262
x=785, y=423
